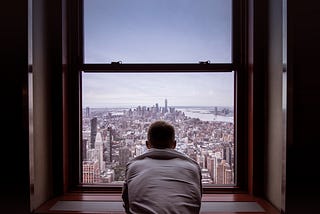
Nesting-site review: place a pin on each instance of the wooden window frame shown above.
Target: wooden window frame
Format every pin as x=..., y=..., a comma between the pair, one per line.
x=73, y=52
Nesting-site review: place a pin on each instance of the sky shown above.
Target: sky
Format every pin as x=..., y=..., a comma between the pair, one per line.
x=147, y=89
x=157, y=31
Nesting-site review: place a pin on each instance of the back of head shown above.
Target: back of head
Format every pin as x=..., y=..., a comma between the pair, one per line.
x=161, y=135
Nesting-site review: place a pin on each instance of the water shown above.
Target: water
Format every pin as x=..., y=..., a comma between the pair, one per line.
x=205, y=115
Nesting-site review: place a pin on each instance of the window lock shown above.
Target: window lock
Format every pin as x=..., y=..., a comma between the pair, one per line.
x=116, y=63
x=204, y=62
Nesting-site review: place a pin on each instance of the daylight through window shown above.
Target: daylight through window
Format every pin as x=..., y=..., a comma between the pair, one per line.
x=118, y=108
x=148, y=60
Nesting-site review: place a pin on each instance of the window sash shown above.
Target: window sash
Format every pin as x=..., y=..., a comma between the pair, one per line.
x=76, y=59
x=198, y=25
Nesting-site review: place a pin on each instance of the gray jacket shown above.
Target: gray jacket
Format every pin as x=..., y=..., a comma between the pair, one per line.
x=162, y=181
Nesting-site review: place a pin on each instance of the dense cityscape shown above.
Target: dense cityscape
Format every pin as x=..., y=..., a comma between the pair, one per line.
x=113, y=136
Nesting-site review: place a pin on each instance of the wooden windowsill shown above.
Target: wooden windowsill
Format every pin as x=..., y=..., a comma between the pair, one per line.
x=212, y=204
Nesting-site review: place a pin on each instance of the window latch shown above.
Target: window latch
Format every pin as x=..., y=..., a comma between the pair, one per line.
x=116, y=63
x=204, y=62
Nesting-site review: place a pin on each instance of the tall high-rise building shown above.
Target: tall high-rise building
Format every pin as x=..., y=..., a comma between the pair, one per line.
x=99, y=148
x=87, y=112
x=94, y=125
x=84, y=149
x=224, y=173
x=90, y=171
x=227, y=154
x=220, y=172
x=165, y=105
x=212, y=168
x=228, y=177
x=108, y=153
x=124, y=154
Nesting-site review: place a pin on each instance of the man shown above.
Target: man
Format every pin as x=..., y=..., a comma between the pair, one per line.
x=162, y=180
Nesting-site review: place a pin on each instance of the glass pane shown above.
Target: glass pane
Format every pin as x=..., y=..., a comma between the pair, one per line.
x=119, y=107
x=157, y=31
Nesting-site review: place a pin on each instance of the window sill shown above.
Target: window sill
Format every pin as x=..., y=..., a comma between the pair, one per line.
x=89, y=203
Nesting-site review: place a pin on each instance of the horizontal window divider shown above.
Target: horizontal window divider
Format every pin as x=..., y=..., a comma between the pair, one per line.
x=117, y=188
x=157, y=67
x=97, y=189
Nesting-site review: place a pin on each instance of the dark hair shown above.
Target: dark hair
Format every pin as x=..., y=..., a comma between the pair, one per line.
x=161, y=135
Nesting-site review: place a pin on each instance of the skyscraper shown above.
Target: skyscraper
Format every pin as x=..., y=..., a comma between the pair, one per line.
x=87, y=112
x=90, y=171
x=165, y=105
x=227, y=154
x=84, y=149
x=109, y=145
x=93, y=134
x=212, y=168
x=99, y=148
x=124, y=154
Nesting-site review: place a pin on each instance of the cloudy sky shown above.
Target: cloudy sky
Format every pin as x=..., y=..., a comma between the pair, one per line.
x=157, y=31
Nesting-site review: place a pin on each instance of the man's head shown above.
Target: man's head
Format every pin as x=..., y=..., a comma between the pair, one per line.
x=161, y=136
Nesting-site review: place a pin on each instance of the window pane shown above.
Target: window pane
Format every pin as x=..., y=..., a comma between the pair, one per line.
x=157, y=31
x=119, y=107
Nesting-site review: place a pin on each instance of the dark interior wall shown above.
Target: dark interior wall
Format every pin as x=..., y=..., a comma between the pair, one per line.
x=46, y=67
x=42, y=117
x=258, y=68
x=302, y=174
x=274, y=123
x=47, y=100
x=14, y=191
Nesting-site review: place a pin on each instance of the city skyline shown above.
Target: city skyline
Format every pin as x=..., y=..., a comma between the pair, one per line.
x=101, y=90
x=110, y=140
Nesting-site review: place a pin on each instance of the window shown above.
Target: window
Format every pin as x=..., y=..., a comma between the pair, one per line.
x=118, y=108
x=144, y=60
x=153, y=31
